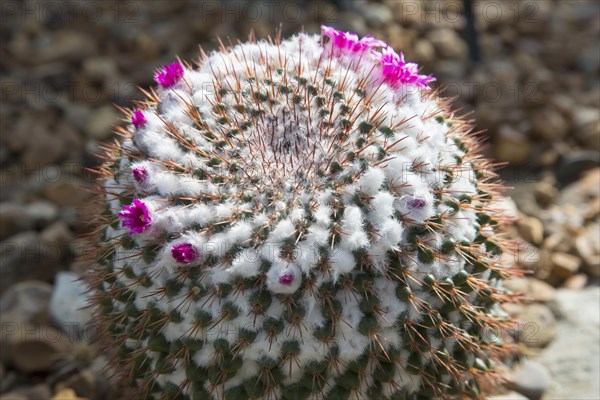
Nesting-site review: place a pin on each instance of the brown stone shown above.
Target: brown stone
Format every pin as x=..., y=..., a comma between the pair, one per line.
x=532, y=288
x=26, y=302
x=531, y=229
x=545, y=193
x=84, y=384
x=564, y=265
x=68, y=191
x=535, y=324
x=588, y=248
x=34, y=348
x=36, y=392
x=512, y=145
x=576, y=282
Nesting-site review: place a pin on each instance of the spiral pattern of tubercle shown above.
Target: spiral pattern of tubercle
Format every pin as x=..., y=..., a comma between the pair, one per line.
x=280, y=223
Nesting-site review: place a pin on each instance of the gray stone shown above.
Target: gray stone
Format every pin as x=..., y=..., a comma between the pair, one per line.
x=26, y=302
x=29, y=255
x=448, y=43
x=69, y=303
x=573, y=358
x=33, y=348
x=531, y=379
x=100, y=122
x=85, y=384
x=377, y=15
x=67, y=191
x=536, y=325
x=41, y=213
x=13, y=219
x=587, y=124
x=18, y=254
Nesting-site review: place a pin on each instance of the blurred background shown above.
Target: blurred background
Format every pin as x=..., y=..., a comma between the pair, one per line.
x=526, y=71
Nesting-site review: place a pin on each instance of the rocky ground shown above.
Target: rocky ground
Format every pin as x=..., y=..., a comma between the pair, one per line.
x=535, y=91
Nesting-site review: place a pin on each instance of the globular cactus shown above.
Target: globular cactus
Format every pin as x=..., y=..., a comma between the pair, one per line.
x=298, y=219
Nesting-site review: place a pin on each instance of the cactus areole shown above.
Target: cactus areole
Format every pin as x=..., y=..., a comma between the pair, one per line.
x=298, y=219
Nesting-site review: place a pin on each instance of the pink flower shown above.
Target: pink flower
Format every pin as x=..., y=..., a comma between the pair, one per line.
x=416, y=202
x=140, y=174
x=286, y=278
x=348, y=43
x=138, y=119
x=184, y=253
x=136, y=217
x=169, y=75
x=396, y=71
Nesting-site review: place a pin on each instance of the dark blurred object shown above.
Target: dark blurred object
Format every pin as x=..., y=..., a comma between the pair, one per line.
x=573, y=165
x=471, y=32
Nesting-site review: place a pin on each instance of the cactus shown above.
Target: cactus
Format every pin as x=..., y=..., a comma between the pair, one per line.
x=298, y=219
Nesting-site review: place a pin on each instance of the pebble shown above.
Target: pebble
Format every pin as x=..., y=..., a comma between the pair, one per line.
x=531, y=229
x=572, y=358
x=448, y=44
x=549, y=124
x=564, y=265
x=84, y=384
x=100, y=68
x=545, y=193
x=13, y=219
x=536, y=325
x=19, y=257
x=588, y=248
x=57, y=235
x=36, y=392
x=531, y=379
x=41, y=213
x=68, y=305
x=26, y=303
x=66, y=191
x=512, y=145
x=424, y=51
x=351, y=21
x=377, y=15
x=587, y=125
x=43, y=148
x=576, y=282
x=535, y=289
x=100, y=122
x=33, y=348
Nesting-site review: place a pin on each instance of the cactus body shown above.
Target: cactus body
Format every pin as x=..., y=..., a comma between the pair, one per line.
x=298, y=219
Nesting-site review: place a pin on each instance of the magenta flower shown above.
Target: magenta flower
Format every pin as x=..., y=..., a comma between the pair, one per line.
x=140, y=174
x=169, y=75
x=184, y=253
x=348, y=43
x=136, y=217
x=395, y=71
x=416, y=202
x=138, y=119
x=286, y=278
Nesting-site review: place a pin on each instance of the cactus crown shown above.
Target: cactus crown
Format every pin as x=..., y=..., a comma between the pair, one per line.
x=298, y=219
